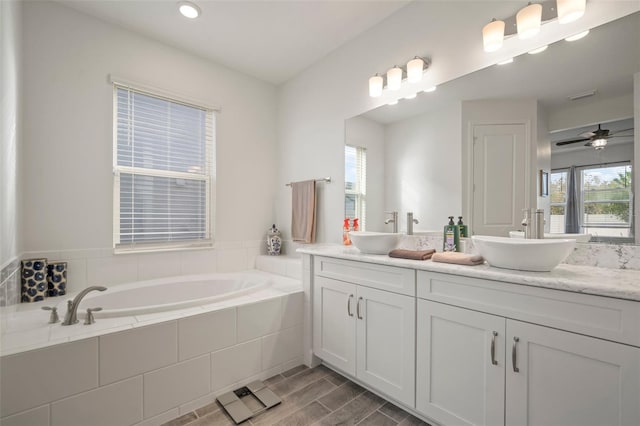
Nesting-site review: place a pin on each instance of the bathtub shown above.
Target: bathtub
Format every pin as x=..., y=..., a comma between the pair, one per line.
x=168, y=294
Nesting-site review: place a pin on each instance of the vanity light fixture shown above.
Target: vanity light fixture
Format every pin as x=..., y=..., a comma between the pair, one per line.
x=528, y=21
x=508, y=61
x=392, y=79
x=538, y=50
x=188, y=9
x=570, y=10
x=430, y=89
x=577, y=36
x=493, y=35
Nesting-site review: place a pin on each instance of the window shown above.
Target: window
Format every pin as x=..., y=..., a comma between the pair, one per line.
x=604, y=199
x=355, y=183
x=164, y=169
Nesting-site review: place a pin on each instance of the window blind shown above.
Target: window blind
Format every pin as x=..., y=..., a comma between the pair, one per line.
x=355, y=183
x=164, y=169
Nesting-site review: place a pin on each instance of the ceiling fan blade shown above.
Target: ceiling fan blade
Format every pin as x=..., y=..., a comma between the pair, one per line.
x=622, y=131
x=590, y=143
x=587, y=134
x=620, y=136
x=572, y=141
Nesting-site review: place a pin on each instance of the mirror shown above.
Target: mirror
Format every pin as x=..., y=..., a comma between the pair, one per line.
x=421, y=158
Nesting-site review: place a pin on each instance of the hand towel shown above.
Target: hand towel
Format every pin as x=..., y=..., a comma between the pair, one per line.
x=458, y=258
x=412, y=254
x=303, y=211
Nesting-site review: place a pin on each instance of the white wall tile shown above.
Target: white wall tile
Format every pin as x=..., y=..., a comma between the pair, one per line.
x=232, y=259
x=235, y=364
x=158, y=265
x=197, y=403
x=76, y=275
x=292, y=309
x=32, y=378
x=258, y=319
x=117, y=404
x=160, y=419
x=252, y=254
x=36, y=417
x=112, y=270
x=281, y=347
x=172, y=386
x=271, y=264
x=204, y=333
x=136, y=351
x=198, y=262
x=294, y=268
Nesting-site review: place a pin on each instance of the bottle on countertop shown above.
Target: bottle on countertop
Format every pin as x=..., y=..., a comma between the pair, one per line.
x=345, y=232
x=451, y=236
x=274, y=241
x=356, y=224
x=464, y=229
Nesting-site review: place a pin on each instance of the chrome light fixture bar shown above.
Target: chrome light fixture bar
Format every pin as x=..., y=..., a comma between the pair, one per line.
x=393, y=78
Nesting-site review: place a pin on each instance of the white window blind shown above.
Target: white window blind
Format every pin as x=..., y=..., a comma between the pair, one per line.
x=355, y=185
x=164, y=169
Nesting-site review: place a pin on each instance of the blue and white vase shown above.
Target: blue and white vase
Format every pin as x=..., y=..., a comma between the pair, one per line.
x=56, y=279
x=34, y=280
x=274, y=241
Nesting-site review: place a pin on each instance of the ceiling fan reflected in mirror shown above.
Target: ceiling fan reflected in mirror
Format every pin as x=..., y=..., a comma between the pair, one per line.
x=597, y=139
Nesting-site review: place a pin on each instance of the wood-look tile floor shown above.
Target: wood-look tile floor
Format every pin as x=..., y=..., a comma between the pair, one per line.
x=310, y=396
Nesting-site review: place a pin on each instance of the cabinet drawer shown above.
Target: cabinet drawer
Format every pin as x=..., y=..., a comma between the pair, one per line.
x=388, y=278
x=608, y=318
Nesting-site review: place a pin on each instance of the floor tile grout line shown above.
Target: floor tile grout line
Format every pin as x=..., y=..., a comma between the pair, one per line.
x=371, y=412
x=388, y=416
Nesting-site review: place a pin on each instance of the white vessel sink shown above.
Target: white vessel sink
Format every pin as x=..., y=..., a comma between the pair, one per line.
x=522, y=254
x=580, y=238
x=374, y=242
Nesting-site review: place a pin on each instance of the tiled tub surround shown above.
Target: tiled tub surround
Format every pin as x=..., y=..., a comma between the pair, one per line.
x=145, y=369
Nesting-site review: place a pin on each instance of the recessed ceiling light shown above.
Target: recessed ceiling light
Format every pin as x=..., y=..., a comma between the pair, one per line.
x=538, y=50
x=393, y=102
x=508, y=61
x=188, y=9
x=577, y=36
x=411, y=96
x=430, y=89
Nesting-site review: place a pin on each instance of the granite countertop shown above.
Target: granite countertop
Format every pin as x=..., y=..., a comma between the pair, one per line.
x=618, y=283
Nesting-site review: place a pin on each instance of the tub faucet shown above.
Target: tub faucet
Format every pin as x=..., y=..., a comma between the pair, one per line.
x=410, y=222
x=394, y=220
x=71, y=316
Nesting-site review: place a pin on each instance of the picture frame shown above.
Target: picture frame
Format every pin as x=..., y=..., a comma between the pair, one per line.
x=544, y=183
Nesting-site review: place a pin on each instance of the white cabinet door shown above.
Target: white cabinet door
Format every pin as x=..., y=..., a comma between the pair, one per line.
x=334, y=325
x=460, y=365
x=569, y=380
x=386, y=343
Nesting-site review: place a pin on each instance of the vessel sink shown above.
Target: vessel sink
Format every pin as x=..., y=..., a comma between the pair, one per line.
x=580, y=238
x=523, y=254
x=374, y=242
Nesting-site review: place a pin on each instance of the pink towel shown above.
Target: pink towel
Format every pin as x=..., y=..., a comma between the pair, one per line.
x=303, y=211
x=458, y=258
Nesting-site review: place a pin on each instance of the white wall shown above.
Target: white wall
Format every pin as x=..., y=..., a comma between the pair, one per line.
x=362, y=132
x=423, y=167
x=590, y=112
x=11, y=135
x=313, y=106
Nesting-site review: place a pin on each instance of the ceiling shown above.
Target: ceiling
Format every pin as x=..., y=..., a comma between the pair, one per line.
x=270, y=40
x=605, y=60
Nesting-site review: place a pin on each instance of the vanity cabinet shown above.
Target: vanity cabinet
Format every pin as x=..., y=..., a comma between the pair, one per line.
x=366, y=332
x=478, y=368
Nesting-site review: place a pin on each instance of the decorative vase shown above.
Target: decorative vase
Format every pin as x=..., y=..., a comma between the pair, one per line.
x=274, y=241
x=34, y=280
x=57, y=279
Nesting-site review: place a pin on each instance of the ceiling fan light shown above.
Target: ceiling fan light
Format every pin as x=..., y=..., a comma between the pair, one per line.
x=394, y=78
x=570, y=10
x=528, y=20
x=599, y=144
x=493, y=35
x=375, y=86
x=414, y=70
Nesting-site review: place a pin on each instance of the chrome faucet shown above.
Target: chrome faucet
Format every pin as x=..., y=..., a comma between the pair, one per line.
x=410, y=222
x=394, y=220
x=71, y=316
x=533, y=223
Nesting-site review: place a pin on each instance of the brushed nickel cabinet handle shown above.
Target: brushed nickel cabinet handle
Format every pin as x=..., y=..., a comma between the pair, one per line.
x=349, y=305
x=493, y=348
x=514, y=354
x=358, y=308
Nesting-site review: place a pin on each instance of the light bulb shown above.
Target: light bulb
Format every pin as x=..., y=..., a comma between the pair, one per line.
x=493, y=35
x=188, y=9
x=570, y=10
x=528, y=20
x=394, y=78
x=414, y=70
x=375, y=86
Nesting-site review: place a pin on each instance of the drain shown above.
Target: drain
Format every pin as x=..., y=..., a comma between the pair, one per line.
x=236, y=407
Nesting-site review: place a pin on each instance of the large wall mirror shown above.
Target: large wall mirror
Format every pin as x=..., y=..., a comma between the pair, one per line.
x=552, y=130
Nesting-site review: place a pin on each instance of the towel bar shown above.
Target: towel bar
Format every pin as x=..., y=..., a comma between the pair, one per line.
x=325, y=179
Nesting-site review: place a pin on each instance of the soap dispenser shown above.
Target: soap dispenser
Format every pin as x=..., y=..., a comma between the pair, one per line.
x=451, y=236
x=464, y=229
